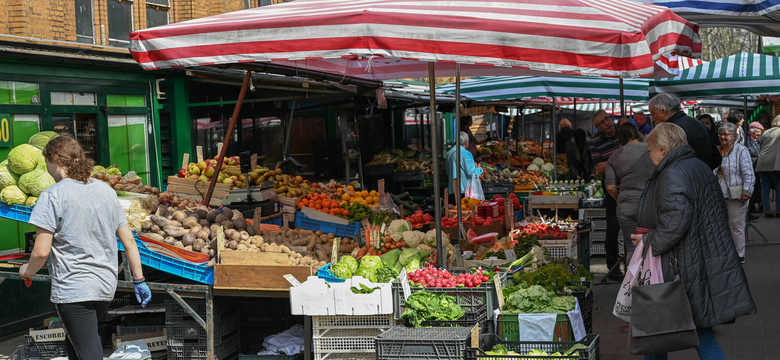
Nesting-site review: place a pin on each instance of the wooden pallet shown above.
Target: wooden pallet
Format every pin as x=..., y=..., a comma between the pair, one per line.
x=196, y=190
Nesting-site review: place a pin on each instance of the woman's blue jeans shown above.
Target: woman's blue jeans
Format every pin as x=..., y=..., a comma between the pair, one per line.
x=769, y=181
x=708, y=348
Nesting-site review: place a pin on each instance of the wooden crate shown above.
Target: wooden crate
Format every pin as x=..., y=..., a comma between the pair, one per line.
x=257, y=277
x=196, y=190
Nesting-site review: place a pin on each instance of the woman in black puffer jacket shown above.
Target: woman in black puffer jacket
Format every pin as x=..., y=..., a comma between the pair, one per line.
x=683, y=205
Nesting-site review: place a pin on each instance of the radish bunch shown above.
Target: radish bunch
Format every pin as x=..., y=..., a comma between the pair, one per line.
x=430, y=276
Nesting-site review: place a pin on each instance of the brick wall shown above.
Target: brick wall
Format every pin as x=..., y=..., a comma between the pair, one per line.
x=56, y=19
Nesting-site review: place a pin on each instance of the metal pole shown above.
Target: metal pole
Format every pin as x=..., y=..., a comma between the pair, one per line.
x=555, y=144
x=441, y=254
x=745, y=124
x=622, y=101
x=457, y=157
x=228, y=135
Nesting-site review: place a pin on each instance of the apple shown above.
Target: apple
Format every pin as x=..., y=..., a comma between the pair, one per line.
x=221, y=177
x=182, y=173
x=227, y=181
x=209, y=171
x=194, y=176
x=202, y=165
x=203, y=178
x=193, y=169
x=235, y=178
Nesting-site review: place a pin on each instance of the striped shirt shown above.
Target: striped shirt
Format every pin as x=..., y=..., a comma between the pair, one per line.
x=602, y=147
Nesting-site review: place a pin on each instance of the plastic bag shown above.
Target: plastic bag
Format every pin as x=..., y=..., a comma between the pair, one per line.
x=474, y=188
x=647, y=272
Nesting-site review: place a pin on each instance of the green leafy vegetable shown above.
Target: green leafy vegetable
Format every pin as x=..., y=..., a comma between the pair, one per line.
x=345, y=267
x=366, y=273
x=391, y=257
x=535, y=299
x=423, y=305
x=386, y=274
x=363, y=289
x=371, y=262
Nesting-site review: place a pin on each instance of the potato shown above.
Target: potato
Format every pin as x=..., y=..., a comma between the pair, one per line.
x=201, y=213
x=204, y=223
x=188, y=247
x=232, y=244
x=220, y=219
x=178, y=244
x=198, y=245
x=188, y=239
x=146, y=225
x=179, y=215
x=175, y=231
x=189, y=222
x=195, y=229
x=250, y=229
x=244, y=235
x=239, y=223
x=237, y=215
x=203, y=234
x=211, y=215
x=155, y=228
x=242, y=247
x=227, y=224
x=153, y=236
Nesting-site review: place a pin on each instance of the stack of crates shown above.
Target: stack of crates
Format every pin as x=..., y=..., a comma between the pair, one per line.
x=348, y=336
x=188, y=340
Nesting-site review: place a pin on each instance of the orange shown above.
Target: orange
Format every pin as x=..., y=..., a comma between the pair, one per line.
x=373, y=193
x=364, y=193
x=323, y=196
x=345, y=212
x=350, y=188
x=345, y=197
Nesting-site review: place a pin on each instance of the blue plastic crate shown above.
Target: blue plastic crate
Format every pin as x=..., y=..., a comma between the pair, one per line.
x=15, y=212
x=519, y=215
x=274, y=221
x=351, y=230
x=324, y=273
x=195, y=272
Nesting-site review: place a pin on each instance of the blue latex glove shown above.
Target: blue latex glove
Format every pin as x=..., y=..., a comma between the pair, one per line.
x=142, y=294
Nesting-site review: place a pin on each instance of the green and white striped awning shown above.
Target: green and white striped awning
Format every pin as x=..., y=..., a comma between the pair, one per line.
x=541, y=89
x=740, y=74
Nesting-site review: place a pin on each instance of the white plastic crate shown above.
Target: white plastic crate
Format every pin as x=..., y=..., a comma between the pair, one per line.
x=317, y=297
x=323, y=325
x=561, y=248
x=346, y=341
x=328, y=356
x=598, y=248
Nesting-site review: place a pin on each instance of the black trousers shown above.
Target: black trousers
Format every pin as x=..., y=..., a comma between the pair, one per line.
x=613, y=229
x=81, y=324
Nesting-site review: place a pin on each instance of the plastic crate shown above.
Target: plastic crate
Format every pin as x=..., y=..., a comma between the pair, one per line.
x=43, y=350
x=226, y=350
x=269, y=357
x=181, y=327
x=15, y=212
x=195, y=272
x=469, y=319
x=585, y=299
x=497, y=187
x=414, y=175
x=122, y=330
x=468, y=298
x=564, y=248
x=523, y=347
x=346, y=341
x=374, y=170
x=324, y=273
x=423, y=343
x=322, y=325
x=519, y=215
x=583, y=249
x=274, y=221
x=508, y=328
x=351, y=230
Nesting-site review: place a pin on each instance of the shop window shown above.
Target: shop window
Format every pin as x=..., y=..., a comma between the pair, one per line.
x=120, y=22
x=73, y=98
x=156, y=16
x=19, y=93
x=125, y=100
x=85, y=26
x=82, y=127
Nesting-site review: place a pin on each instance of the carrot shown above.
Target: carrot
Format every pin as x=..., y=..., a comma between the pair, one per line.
x=400, y=244
x=362, y=252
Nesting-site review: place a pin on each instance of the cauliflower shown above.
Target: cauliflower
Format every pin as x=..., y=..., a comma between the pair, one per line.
x=548, y=167
x=413, y=238
x=397, y=236
x=533, y=167
x=538, y=161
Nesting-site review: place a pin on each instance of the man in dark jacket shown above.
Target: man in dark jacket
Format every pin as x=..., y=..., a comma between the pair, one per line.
x=665, y=107
x=683, y=205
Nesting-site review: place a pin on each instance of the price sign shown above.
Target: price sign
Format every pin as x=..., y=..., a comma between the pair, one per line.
x=5, y=131
x=199, y=153
x=253, y=160
x=405, y=284
x=380, y=185
x=185, y=160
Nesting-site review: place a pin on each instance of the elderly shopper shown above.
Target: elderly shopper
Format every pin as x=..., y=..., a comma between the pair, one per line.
x=768, y=167
x=602, y=146
x=467, y=165
x=627, y=172
x=683, y=205
x=665, y=107
x=736, y=179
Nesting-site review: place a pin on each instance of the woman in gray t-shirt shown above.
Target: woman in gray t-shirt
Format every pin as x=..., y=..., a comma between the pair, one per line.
x=79, y=220
x=627, y=172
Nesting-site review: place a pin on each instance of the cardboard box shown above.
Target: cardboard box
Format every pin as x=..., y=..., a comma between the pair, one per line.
x=156, y=341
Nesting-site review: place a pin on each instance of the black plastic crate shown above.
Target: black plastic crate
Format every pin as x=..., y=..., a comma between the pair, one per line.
x=498, y=187
x=414, y=175
x=585, y=298
x=44, y=350
x=182, y=330
x=402, y=342
x=523, y=347
x=226, y=350
x=468, y=320
x=374, y=170
x=222, y=308
x=583, y=247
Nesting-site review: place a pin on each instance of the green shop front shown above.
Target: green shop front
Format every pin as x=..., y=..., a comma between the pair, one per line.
x=105, y=102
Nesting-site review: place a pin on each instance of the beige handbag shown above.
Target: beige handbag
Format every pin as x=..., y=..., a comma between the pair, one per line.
x=735, y=192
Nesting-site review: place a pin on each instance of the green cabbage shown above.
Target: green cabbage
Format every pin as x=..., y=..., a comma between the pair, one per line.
x=345, y=267
x=413, y=265
x=366, y=273
x=13, y=195
x=6, y=179
x=371, y=262
x=30, y=202
x=390, y=258
x=34, y=182
x=40, y=139
x=23, y=158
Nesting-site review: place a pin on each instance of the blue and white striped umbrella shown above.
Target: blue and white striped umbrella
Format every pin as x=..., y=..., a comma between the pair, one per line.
x=759, y=16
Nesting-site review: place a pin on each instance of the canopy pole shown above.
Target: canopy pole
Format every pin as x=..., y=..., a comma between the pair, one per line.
x=622, y=101
x=440, y=254
x=555, y=143
x=745, y=123
x=461, y=231
x=228, y=135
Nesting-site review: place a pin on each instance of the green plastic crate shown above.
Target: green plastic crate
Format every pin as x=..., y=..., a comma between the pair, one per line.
x=508, y=328
x=468, y=298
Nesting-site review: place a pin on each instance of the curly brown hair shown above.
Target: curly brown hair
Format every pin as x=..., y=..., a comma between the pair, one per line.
x=66, y=152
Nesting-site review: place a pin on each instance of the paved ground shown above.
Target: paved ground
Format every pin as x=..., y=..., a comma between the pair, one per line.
x=752, y=337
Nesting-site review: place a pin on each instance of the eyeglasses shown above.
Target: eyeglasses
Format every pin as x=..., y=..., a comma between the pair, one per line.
x=726, y=135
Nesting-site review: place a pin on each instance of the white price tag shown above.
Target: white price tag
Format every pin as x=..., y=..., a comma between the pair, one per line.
x=405, y=284
x=199, y=153
x=510, y=254
x=292, y=280
x=185, y=160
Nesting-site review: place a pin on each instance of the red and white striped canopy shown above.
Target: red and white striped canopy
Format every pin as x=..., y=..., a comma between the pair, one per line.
x=391, y=39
